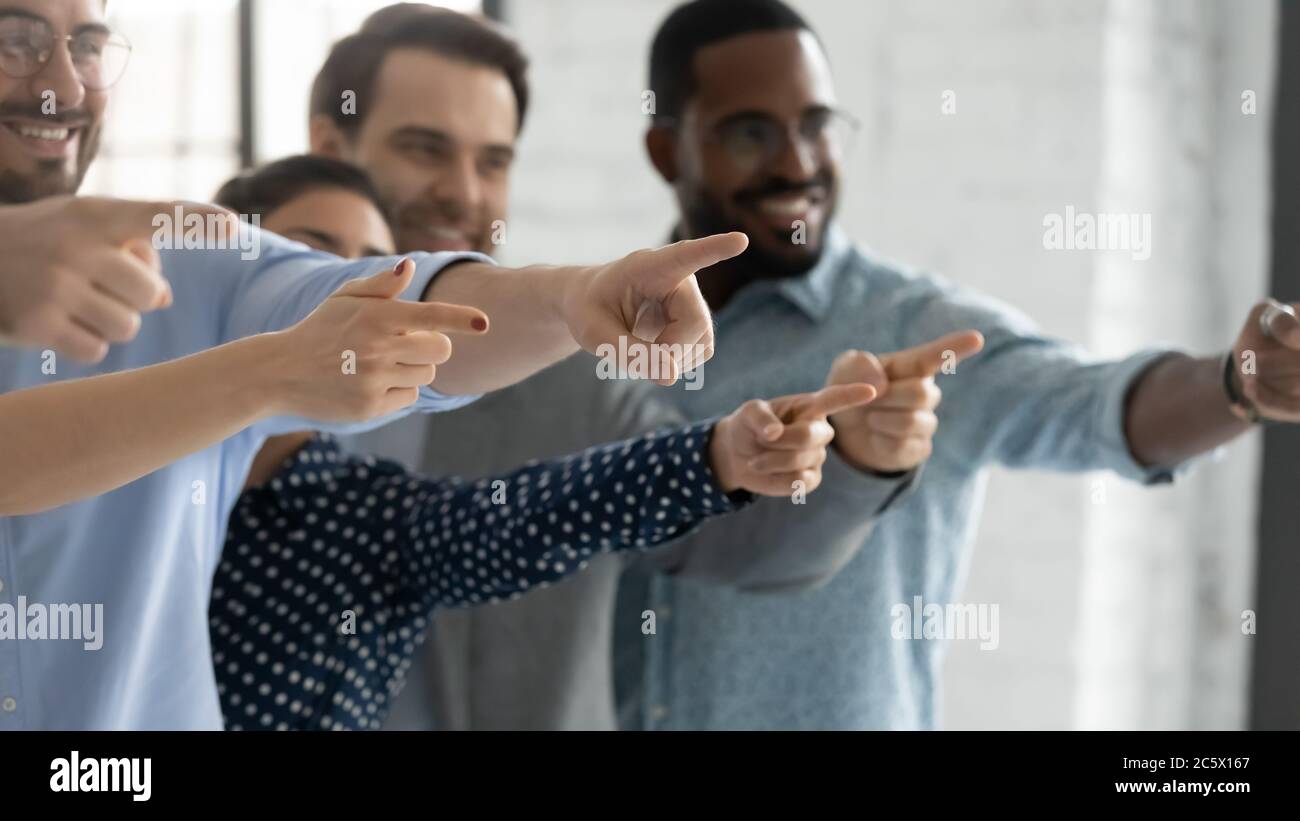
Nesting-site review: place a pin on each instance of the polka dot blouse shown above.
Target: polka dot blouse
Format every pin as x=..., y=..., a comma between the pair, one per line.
x=332, y=570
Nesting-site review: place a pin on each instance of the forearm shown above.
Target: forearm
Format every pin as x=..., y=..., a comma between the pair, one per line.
x=527, y=334
x=777, y=546
x=1178, y=409
x=536, y=524
x=70, y=440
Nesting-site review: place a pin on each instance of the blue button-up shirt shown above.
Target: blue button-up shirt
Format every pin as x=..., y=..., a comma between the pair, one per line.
x=144, y=555
x=826, y=658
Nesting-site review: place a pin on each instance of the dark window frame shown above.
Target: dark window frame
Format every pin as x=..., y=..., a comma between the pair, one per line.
x=1275, y=679
x=493, y=9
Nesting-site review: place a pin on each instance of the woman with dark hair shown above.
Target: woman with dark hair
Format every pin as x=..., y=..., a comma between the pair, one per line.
x=334, y=564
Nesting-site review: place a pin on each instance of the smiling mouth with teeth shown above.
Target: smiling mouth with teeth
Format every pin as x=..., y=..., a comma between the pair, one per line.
x=45, y=140
x=785, y=207
x=41, y=133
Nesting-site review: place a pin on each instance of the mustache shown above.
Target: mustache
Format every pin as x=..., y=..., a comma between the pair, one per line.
x=424, y=209
x=444, y=213
x=820, y=184
x=73, y=117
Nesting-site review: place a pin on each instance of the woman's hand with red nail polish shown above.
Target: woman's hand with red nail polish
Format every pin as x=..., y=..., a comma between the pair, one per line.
x=365, y=353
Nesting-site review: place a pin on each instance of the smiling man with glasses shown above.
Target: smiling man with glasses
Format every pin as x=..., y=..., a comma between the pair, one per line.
x=76, y=276
x=445, y=97
x=52, y=115
x=743, y=135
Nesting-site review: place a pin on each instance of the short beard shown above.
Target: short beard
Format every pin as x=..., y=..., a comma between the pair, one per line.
x=706, y=216
x=50, y=180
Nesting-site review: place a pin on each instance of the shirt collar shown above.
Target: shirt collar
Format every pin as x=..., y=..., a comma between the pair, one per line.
x=813, y=291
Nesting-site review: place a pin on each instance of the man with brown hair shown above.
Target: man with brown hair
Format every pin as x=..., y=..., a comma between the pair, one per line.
x=429, y=102
x=146, y=550
x=440, y=100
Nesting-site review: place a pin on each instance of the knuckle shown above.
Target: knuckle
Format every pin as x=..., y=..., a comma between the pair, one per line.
x=85, y=350
x=125, y=328
x=440, y=346
x=156, y=288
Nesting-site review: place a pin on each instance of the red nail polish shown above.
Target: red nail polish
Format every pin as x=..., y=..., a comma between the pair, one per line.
x=401, y=266
x=479, y=324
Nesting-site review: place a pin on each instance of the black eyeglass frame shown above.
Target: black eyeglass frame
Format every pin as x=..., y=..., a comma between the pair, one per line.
x=41, y=58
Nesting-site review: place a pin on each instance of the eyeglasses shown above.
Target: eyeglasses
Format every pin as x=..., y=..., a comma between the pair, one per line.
x=27, y=44
x=754, y=140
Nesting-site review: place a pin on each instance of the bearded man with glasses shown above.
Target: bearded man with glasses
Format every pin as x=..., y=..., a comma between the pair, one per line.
x=80, y=276
x=54, y=128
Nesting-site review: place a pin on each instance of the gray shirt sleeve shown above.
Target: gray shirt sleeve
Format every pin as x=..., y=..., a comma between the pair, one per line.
x=780, y=544
x=1033, y=401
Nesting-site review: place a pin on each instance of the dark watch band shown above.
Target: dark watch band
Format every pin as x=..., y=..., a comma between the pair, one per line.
x=1240, y=406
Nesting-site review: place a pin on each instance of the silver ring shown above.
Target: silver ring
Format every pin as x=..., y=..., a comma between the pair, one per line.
x=1272, y=311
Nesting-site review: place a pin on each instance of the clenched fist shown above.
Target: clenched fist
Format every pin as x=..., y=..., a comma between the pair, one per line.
x=895, y=432
x=767, y=445
x=1272, y=334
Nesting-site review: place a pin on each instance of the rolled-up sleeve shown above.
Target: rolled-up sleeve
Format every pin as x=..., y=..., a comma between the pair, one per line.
x=1032, y=401
x=1114, y=450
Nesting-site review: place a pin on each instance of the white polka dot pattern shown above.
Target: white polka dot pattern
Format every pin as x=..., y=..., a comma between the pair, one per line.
x=332, y=533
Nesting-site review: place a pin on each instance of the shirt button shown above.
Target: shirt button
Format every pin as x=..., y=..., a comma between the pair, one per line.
x=9, y=704
x=658, y=712
x=664, y=613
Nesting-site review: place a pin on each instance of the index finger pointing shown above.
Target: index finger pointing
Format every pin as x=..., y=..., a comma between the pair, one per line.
x=674, y=263
x=435, y=316
x=929, y=358
x=835, y=398
x=126, y=220
x=454, y=319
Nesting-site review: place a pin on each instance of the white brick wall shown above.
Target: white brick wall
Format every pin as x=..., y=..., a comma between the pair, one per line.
x=1116, y=615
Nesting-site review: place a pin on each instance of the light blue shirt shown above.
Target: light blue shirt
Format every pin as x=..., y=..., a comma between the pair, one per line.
x=826, y=658
x=147, y=551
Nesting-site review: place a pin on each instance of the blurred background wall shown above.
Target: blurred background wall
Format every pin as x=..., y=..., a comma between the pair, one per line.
x=1120, y=607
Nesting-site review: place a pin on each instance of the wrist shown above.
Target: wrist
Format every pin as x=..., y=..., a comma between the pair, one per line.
x=719, y=457
x=864, y=466
x=262, y=365
x=1240, y=406
x=564, y=291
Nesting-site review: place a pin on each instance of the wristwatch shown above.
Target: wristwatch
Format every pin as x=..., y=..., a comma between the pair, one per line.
x=1241, y=407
